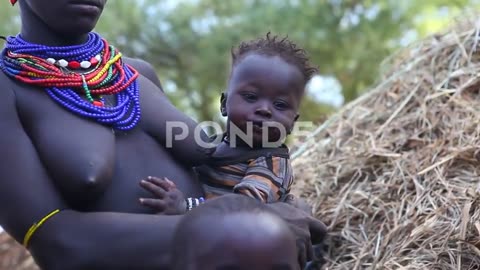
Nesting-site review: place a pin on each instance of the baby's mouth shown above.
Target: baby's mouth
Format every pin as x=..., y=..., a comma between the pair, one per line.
x=257, y=125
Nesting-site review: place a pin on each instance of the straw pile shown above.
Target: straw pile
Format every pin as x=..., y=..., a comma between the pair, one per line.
x=396, y=174
x=13, y=256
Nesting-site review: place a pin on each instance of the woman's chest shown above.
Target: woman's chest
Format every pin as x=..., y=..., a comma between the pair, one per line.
x=92, y=165
x=78, y=154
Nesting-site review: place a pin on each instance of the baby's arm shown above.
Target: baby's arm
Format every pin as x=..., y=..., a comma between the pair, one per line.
x=267, y=179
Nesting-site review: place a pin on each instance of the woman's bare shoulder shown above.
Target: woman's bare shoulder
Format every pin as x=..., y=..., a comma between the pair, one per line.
x=145, y=69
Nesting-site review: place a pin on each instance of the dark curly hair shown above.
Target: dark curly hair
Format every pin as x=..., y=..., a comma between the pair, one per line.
x=276, y=46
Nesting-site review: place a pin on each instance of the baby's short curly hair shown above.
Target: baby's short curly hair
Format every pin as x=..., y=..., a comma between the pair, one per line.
x=275, y=46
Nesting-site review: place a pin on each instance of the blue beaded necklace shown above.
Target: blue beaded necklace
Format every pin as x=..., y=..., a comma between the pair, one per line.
x=36, y=65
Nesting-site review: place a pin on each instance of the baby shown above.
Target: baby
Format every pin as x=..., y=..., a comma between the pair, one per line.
x=266, y=85
x=243, y=236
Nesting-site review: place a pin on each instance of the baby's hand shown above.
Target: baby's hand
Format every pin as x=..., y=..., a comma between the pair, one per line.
x=168, y=199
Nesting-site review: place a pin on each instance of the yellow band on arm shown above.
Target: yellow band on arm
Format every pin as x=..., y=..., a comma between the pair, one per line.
x=35, y=227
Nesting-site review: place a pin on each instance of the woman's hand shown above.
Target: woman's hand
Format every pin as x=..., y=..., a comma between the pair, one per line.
x=299, y=203
x=308, y=230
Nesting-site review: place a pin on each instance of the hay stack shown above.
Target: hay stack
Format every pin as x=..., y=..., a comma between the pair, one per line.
x=396, y=174
x=13, y=256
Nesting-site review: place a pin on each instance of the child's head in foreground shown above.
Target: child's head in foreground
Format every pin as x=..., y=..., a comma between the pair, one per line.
x=267, y=83
x=233, y=232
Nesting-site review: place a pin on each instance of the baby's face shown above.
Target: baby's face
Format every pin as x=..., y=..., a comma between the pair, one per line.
x=247, y=250
x=264, y=90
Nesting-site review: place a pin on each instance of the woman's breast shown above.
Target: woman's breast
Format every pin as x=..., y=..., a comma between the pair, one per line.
x=79, y=159
x=78, y=154
x=137, y=157
x=93, y=167
x=98, y=170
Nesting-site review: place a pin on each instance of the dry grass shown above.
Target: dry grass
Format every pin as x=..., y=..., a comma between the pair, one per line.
x=396, y=174
x=13, y=256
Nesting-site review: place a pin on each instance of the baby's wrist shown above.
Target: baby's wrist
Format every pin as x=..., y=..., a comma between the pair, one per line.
x=191, y=203
x=183, y=207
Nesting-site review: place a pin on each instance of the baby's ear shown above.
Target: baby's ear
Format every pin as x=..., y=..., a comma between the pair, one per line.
x=223, y=104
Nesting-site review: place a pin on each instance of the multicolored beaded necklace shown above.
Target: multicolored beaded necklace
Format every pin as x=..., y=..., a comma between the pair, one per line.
x=77, y=77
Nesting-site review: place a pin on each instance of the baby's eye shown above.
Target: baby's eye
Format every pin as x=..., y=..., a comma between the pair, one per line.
x=281, y=105
x=250, y=97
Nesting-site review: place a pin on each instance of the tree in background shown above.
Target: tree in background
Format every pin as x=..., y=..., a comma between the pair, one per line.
x=189, y=41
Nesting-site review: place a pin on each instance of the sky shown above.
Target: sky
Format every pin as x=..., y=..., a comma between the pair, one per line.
x=326, y=89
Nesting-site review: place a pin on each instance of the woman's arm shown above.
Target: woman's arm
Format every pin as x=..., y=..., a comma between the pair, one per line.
x=176, y=131
x=69, y=239
x=73, y=240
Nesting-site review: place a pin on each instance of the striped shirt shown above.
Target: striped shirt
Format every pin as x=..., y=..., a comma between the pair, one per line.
x=263, y=174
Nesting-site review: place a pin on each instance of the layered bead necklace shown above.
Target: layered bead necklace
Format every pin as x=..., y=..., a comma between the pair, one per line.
x=78, y=77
